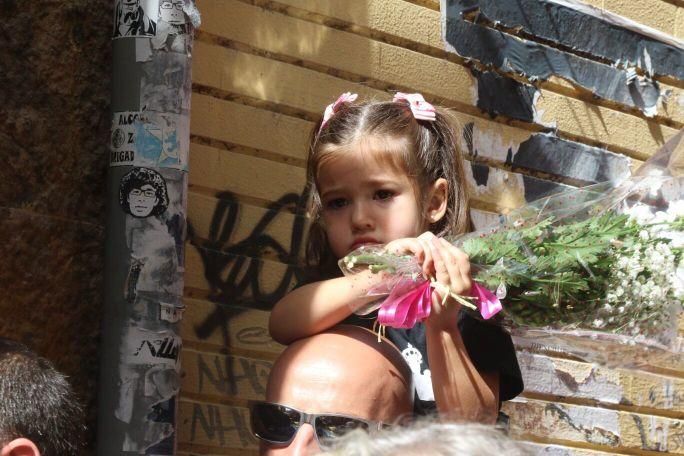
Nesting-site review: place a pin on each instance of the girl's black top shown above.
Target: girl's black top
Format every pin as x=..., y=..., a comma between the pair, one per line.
x=488, y=344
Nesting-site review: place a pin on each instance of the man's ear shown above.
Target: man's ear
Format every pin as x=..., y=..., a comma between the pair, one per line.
x=20, y=447
x=438, y=196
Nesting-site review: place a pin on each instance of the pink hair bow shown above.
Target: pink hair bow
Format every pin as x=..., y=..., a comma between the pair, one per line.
x=332, y=108
x=421, y=109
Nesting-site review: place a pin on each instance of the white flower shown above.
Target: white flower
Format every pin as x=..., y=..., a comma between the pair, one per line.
x=640, y=213
x=676, y=237
x=676, y=208
x=678, y=281
x=663, y=217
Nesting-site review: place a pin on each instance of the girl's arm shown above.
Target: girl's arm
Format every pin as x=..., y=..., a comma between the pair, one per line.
x=315, y=307
x=461, y=391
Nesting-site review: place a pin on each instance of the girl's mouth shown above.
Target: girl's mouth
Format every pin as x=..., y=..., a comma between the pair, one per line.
x=360, y=242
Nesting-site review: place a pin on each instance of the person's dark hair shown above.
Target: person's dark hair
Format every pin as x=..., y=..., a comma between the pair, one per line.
x=37, y=403
x=433, y=153
x=136, y=178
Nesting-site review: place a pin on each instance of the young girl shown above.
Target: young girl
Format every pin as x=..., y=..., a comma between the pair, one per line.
x=391, y=173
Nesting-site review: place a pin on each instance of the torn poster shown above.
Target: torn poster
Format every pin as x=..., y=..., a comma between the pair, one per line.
x=149, y=382
x=155, y=230
x=134, y=18
x=172, y=28
x=165, y=83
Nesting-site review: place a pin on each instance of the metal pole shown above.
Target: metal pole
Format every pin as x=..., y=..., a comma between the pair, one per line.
x=144, y=255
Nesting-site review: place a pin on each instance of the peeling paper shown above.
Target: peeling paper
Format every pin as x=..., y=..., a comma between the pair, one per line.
x=192, y=13
x=538, y=61
x=160, y=272
x=589, y=417
x=149, y=384
x=547, y=153
x=620, y=21
x=508, y=189
x=165, y=86
x=658, y=430
x=488, y=143
x=545, y=375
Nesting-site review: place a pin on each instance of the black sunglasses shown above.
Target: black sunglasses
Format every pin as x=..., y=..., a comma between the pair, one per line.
x=278, y=424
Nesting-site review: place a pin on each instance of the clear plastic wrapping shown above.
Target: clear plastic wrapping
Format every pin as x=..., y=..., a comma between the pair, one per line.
x=595, y=272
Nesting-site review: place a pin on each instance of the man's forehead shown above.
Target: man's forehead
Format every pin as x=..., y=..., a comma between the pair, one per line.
x=339, y=375
x=326, y=388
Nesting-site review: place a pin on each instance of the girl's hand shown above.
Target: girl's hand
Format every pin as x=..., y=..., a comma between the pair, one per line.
x=452, y=269
x=418, y=247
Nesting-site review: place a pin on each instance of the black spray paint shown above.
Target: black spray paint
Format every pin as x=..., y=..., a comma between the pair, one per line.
x=233, y=269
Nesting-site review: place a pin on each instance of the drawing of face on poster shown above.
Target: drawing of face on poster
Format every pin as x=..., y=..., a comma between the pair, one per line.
x=132, y=18
x=171, y=11
x=142, y=192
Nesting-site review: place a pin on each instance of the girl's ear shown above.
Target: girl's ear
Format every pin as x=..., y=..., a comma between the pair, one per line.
x=438, y=195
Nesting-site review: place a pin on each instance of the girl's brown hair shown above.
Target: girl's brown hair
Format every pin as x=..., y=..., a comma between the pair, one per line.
x=433, y=153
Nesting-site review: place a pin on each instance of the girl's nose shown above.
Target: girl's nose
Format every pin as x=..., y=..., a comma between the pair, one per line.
x=362, y=217
x=305, y=442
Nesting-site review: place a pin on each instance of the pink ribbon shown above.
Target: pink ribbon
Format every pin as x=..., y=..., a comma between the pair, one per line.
x=421, y=109
x=332, y=108
x=410, y=302
x=487, y=302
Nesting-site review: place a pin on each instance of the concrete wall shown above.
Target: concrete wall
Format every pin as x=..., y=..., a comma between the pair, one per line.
x=54, y=128
x=544, y=111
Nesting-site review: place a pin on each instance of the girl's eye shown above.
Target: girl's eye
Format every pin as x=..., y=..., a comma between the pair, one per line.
x=384, y=194
x=336, y=203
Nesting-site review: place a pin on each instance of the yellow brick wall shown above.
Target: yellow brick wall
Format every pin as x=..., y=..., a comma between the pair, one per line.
x=262, y=73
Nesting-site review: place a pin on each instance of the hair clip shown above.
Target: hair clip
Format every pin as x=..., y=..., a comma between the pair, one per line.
x=332, y=108
x=421, y=109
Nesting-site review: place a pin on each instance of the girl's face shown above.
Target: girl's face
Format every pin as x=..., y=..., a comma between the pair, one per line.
x=366, y=201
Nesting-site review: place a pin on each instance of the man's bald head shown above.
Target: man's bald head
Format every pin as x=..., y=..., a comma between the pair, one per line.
x=342, y=371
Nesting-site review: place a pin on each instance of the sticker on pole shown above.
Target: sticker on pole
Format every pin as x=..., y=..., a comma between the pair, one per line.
x=152, y=139
x=152, y=347
x=170, y=312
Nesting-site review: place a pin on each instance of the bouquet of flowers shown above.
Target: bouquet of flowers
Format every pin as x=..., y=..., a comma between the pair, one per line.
x=593, y=272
